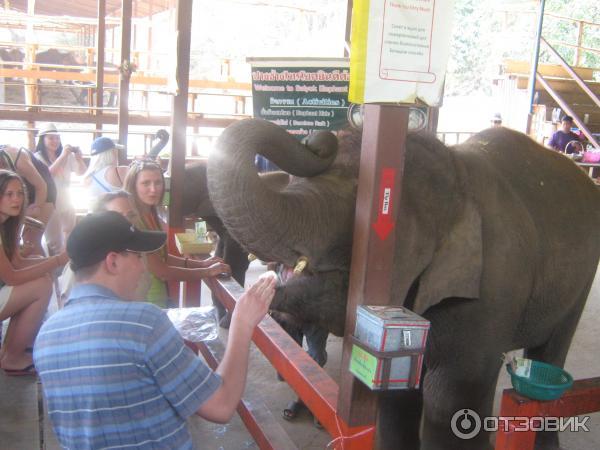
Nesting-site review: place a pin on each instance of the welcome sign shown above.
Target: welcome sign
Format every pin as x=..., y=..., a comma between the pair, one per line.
x=301, y=95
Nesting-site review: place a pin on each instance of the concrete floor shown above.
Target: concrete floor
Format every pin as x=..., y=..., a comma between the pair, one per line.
x=21, y=429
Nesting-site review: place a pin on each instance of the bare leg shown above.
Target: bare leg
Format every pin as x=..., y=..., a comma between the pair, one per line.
x=26, y=308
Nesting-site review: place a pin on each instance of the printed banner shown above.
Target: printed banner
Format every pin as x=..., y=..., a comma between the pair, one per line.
x=302, y=96
x=400, y=50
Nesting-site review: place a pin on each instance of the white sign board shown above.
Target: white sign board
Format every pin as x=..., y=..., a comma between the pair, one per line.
x=399, y=50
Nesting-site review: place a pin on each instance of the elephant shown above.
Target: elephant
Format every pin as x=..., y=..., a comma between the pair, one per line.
x=497, y=246
x=197, y=202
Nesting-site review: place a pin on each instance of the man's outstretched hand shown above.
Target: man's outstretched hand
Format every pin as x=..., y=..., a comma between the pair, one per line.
x=254, y=304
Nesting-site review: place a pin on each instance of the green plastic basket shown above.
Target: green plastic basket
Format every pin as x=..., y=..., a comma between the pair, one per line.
x=546, y=382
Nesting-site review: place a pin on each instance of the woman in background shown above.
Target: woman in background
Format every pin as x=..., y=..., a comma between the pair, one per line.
x=104, y=174
x=61, y=162
x=146, y=183
x=41, y=194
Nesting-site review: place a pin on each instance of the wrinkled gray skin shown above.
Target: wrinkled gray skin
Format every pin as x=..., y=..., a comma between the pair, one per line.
x=197, y=202
x=497, y=245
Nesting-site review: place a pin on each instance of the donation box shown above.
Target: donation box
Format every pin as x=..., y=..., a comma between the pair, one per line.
x=388, y=347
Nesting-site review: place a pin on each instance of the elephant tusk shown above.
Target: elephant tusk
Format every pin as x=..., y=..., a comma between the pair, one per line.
x=300, y=265
x=251, y=257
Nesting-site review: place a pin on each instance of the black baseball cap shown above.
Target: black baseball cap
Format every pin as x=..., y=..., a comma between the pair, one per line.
x=98, y=234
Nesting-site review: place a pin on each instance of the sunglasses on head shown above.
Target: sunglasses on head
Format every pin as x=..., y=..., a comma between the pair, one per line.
x=145, y=163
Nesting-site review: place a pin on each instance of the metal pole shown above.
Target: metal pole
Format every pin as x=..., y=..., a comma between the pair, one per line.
x=534, y=63
x=348, y=28
x=125, y=75
x=100, y=45
x=180, y=116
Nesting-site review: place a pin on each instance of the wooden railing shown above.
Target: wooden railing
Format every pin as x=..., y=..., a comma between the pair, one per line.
x=517, y=430
x=314, y=386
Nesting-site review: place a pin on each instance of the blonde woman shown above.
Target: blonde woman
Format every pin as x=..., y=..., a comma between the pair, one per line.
x=146, y=183
x=104, y=174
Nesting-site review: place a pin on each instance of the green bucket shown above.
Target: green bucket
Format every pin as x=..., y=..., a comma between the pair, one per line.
x=545, y=382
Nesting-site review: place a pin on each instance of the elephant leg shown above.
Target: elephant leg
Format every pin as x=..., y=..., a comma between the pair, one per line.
x=447, y=391
x=316, y=341
x=237, y=258
x=398, y=419
x=554, y=351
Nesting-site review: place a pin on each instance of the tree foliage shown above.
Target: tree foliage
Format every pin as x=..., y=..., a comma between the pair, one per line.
x=488, y=31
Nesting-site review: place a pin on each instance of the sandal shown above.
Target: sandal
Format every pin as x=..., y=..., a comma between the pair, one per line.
x=292, y=409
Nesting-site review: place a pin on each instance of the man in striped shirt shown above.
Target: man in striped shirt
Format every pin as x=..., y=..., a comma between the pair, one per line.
x=115, y=372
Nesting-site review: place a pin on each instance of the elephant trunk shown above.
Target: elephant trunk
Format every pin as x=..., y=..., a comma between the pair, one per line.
x=258, y=217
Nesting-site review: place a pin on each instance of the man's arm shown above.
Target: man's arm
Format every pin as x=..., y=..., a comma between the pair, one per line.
x=249, y=311
x=26, y=169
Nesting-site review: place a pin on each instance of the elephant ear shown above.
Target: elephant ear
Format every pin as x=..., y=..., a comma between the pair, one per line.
x=455, y=269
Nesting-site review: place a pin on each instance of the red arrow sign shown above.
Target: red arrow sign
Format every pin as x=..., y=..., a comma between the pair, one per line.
x=384, y=224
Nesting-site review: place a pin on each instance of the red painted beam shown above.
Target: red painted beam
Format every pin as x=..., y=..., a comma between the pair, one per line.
x=582, y=398
x=259, y=421
x=314, y=386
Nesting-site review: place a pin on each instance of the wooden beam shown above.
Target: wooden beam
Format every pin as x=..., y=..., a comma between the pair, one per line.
x=510, y=66
x=125, y=75
x=114, y=78
x=197, y=120
x=100, y=44
x=180, y=104
x=381, y=165
x=582, y=398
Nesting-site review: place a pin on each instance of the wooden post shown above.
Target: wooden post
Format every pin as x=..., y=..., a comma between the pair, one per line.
x=100, y=44
x=180, y=103
x=577, y=56
x=379, y=185
x=124, y=76
x=30, y=90
x=534, y=64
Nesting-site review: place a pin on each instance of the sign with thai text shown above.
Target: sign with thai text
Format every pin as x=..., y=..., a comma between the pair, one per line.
x=302, y=96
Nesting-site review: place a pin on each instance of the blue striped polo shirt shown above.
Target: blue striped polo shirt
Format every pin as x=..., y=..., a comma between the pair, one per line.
x=117, y=375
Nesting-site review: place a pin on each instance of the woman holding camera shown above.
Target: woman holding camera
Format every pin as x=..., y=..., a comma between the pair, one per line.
x=61, y=162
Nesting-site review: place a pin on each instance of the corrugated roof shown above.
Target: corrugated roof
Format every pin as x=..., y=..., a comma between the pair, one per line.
x=89, y=8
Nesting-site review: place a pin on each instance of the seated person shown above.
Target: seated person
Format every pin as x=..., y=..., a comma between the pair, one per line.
x=146, y=381
x=146, y=183
x=118, y=201
x=41, y=193
x=562, y=140
x=103, y=173
x=25, y=284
